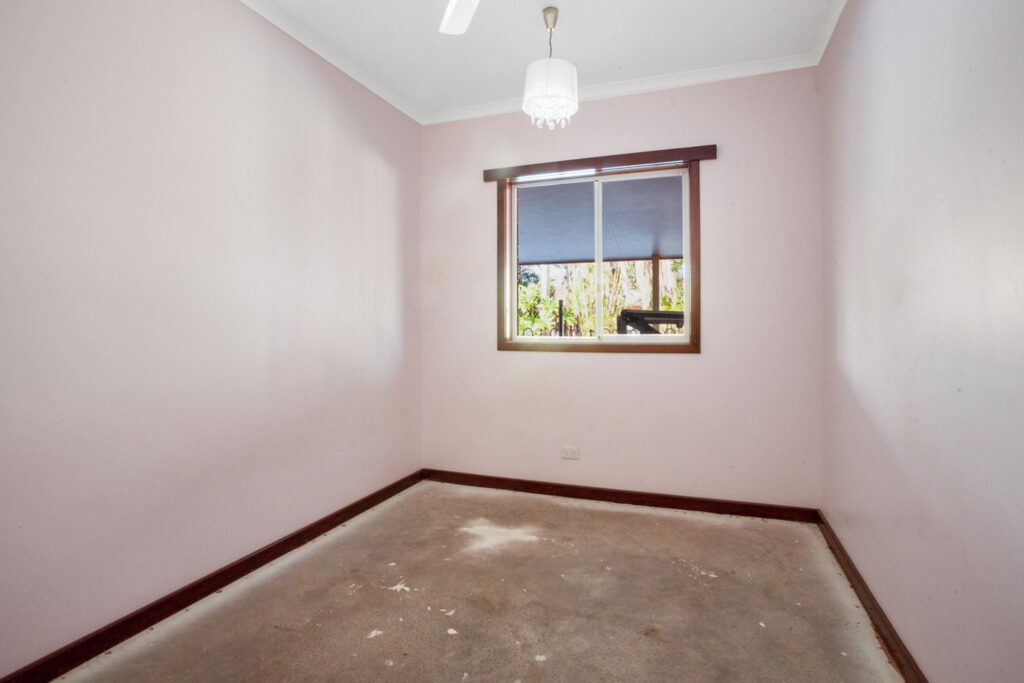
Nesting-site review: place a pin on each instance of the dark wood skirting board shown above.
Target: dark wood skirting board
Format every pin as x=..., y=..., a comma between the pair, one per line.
x=101, y=640
x=661, y=500
x=894, y=645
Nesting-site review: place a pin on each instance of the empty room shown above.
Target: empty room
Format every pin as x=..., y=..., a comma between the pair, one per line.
x=512, y=340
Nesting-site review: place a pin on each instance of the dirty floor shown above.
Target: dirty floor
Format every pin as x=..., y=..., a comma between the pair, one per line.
x=454, y=583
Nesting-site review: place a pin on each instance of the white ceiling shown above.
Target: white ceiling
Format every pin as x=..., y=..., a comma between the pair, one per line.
x=620, y=47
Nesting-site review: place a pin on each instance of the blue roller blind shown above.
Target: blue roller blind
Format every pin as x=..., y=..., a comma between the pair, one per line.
x=641, y=218
x=556, y=223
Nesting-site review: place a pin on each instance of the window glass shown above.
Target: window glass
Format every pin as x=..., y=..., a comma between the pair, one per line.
x=601, y=258
x=556, y=300
x=642, y=277
x=555, y=260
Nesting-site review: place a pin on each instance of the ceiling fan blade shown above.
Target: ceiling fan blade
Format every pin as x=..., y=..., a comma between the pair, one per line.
x=457, y=16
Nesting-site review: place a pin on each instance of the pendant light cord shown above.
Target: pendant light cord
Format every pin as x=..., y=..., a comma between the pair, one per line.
x=550, y=49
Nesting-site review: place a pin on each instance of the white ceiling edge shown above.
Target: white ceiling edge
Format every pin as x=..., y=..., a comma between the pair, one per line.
x=282, y=20
x=827, y=30
x=637, y=86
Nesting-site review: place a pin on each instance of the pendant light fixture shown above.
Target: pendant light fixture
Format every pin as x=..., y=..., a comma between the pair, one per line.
x=550, y=97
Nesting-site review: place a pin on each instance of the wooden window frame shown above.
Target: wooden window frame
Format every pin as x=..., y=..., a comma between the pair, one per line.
x=506, y=178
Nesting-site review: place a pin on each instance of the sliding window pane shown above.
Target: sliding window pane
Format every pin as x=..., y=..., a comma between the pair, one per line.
x=555, y=262
x=642, y=275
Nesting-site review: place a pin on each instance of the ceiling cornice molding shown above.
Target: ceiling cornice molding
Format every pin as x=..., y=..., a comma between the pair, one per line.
x=637, y=86
x=828, y=28
x=282, y=20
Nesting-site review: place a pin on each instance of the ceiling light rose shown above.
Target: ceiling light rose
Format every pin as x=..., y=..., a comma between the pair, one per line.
x=550, y=96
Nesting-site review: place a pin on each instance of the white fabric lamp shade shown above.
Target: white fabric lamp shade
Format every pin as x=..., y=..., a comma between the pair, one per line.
x=550, y=96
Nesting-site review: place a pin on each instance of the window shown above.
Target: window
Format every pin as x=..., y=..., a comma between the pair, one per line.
x=601, y=254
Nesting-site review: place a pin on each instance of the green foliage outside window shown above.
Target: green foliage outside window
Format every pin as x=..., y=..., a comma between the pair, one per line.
x=627, y=285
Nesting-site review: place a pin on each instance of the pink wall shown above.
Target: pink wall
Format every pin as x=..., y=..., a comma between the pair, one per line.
x=924, y=180
x=191, y=361
x=191, y=205
x=742, y=419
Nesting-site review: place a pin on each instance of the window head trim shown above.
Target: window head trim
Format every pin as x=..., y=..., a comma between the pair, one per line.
x=507, y=178
x=614, y=163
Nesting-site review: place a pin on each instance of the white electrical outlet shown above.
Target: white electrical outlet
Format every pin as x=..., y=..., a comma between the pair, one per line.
x=570, y=453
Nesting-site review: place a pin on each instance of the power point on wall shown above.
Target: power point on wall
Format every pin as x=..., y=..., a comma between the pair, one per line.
x=570, y=453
